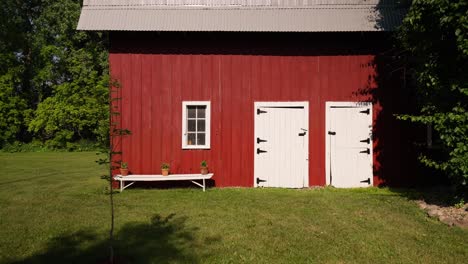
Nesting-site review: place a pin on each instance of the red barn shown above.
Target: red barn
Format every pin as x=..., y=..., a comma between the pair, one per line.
x=276, y=93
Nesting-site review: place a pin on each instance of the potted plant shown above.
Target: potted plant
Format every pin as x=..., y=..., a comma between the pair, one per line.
x=124, y=169
x=204, y=167
x=165, y=169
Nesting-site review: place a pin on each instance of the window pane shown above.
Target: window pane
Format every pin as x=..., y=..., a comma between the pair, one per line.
x=196, y=125
x=191, y=111
x=191, y=139
x=200, y=125
x=201, y=111
x=201, y=139
x=191, y=125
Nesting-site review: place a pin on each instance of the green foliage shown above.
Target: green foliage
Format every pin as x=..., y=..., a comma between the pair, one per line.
x=39, y=146
x=53, y=78
x=76, y=111
x=165, y=166
x=17, y=146
x=72, y=66
x=124, y=165
x=435, y=32
x=460, y=203
x=13, y=108
x=203, y=164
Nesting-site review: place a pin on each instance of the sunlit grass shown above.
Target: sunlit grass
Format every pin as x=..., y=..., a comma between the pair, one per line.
x=54, y=209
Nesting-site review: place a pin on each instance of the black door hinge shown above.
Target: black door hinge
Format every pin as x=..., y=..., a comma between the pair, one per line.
x=259, y=140
x=260, y=111
x=368, y=181
x=260, y=151
x=331, y=133
x=260, y=180
x=365, y=141
x=367, y=111
x=366, y=151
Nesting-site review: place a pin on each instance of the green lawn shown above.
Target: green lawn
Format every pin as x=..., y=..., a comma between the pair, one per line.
x=54, y=209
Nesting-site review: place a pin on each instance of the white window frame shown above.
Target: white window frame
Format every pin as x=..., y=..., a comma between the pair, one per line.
x=207, y=124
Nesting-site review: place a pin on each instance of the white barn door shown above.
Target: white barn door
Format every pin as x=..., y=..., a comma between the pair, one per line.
x=349, y=144
x=281, y=144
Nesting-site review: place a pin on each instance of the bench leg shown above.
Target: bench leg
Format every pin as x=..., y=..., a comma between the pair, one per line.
x=126, y=186
x=200, y=185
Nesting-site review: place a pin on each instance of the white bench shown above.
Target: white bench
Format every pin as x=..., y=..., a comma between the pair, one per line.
x=172, y=177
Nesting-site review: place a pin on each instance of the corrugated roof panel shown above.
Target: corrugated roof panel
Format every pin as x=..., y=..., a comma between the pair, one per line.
x=279, y=3
x=241, y=19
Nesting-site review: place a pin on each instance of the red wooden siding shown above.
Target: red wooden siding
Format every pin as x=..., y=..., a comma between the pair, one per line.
x=153, y=87
x=156, y=76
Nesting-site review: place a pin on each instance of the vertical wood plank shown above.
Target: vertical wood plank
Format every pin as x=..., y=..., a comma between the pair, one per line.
x=176, y=109
x=247, y=123
x=154, y=86
x=227, y=120
x=236, y=113
x=146, y=112
x=156, y=139
x=215, y=158
x=165, y=102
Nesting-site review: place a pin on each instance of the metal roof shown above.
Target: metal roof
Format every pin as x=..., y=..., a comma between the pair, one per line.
x=241, y=15
x=282, y=3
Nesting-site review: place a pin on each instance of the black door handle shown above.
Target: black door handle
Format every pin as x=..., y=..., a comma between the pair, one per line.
x=368, y=181
x=260, y=151
x=366, y=151
x=259, y=140
x=302, y=134
x=331, y=133
x=365, y=141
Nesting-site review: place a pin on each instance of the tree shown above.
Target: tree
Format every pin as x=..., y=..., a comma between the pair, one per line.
x=78, y=108
x=13, y=108
x=70, y=77
x=435, y=34
x=53, y=78
x=113, y=154
x=13, y=49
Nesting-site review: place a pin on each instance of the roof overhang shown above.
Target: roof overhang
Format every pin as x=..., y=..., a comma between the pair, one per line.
x=324, y=18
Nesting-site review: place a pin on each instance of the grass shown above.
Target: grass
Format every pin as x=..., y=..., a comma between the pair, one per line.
x=54, y=209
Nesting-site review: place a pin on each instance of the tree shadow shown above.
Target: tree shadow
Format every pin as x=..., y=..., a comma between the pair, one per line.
x=162, y=240
x=388, y=13
x=397, y=144
x=440, y=195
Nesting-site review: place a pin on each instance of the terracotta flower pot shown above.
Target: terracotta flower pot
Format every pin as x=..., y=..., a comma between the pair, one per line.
x=204, y=170
x=165, y=172
x=123, y=172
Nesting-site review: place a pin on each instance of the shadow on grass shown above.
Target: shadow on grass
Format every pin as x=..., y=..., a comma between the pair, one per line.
x=441, y=195
x=172, y=185
x=163, y=240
